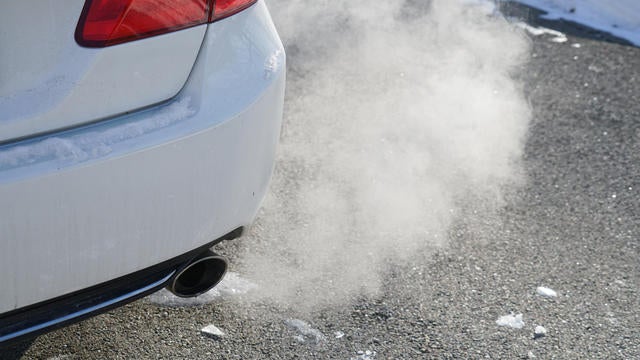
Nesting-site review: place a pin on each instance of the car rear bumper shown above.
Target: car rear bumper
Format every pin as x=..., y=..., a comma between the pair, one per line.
x=88, y=205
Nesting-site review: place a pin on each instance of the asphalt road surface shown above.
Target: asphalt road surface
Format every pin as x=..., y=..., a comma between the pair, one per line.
x=575, y=227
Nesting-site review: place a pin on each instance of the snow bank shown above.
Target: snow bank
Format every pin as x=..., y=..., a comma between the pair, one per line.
x=618, y=17
x=556, y=36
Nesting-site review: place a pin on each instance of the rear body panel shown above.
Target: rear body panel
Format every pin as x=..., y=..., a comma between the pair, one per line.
x=88, y=205
x=49, y=82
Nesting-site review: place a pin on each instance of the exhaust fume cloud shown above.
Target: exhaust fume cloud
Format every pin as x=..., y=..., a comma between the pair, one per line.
x=399, y=115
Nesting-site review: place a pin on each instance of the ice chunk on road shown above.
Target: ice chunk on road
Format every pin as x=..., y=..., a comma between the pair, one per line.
x=365, y=355
x=305, y=330
x=546, y=292
x=539, y=332
x=232, y=284
x=512, y=321
x=212, y=331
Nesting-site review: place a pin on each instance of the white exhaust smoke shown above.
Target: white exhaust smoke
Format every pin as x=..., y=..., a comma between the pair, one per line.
x=398, y=116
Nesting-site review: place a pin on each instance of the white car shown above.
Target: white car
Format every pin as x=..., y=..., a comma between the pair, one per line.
x=134, y=135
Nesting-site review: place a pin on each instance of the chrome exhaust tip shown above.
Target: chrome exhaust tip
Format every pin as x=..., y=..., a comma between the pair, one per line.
x=199, y=276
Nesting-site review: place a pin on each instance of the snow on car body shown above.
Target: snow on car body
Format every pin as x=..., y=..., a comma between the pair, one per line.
x=120, y=163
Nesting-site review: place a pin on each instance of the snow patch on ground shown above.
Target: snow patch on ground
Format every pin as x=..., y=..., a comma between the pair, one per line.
x=618, y=17
x=232, y=284
x=90, y=145
x=512, y=321
x=546, y=292
x=305, y=331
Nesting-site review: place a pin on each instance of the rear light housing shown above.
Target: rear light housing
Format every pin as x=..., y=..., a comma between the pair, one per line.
x=110, y=22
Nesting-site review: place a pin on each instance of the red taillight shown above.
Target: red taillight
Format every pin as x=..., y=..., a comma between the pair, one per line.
x=109, y=22
x=224, y=8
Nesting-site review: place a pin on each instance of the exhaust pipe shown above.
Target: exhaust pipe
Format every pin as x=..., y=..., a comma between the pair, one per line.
x=199, y=276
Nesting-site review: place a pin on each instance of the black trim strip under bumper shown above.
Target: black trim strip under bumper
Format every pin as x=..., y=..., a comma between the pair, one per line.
x=52, y=314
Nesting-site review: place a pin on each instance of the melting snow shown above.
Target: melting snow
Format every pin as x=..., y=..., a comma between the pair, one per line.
x=546, y=292
x=212, y=331
x=299, y=338
x=305, y=330
x=90, y=145
x=232, y=284
x=512, y=321
x=272, y=64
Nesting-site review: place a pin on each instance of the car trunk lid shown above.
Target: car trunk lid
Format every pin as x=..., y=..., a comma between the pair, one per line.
x=49, y=82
